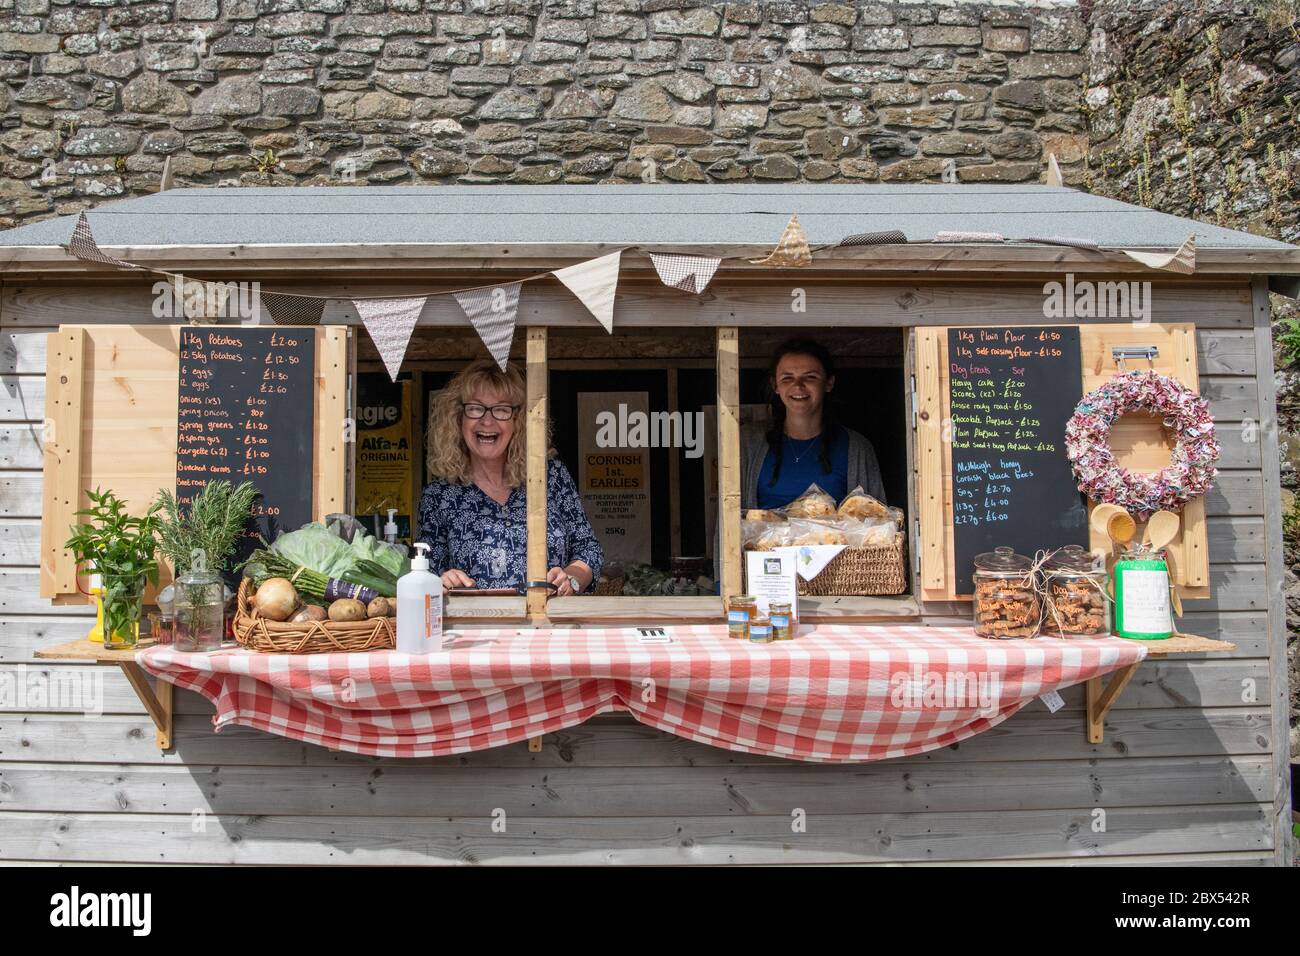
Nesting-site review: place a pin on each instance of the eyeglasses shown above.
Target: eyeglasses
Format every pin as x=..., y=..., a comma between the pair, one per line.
x=502, y=413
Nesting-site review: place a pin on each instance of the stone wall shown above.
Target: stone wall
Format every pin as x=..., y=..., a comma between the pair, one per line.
x=97, y=93
x=1193, y=108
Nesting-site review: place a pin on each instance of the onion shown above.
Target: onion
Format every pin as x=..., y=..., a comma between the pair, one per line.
x=347, y=609
x=276, y=599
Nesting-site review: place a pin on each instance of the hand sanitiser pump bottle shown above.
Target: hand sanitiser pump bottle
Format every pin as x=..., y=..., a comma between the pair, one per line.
x=419, y=606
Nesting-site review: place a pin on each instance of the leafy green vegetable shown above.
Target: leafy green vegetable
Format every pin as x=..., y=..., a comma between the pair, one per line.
x=365, y=561
x=368, y=548
x=315, y=547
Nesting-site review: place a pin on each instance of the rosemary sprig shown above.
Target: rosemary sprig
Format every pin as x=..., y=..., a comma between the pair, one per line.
x=205, y=536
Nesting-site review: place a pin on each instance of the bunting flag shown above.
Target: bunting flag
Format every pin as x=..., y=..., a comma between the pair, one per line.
x=1063, y=241
x=198, y=299
x=888, y=237
x=288, y=309
x=390, y=323
x=594, y=282
x=83, y=246
x=492, y=313
x=792, y=251
x=1183, y=260
x=969, y=237
x=688, y=273
x=1053, y=175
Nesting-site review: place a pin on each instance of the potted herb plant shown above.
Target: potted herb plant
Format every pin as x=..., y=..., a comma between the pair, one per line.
x=120, y=549
x=198, y=542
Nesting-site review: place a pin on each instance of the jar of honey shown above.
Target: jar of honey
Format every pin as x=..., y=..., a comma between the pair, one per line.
x=760, y=631
x=741, y=609
x=782, y=625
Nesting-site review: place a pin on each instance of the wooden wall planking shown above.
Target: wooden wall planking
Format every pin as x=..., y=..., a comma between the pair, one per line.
x=1184, y=715
x=617, y=740
x=1060, y=835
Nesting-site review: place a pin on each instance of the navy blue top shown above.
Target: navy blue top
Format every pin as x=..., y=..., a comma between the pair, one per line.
x=796, y=476
x=468, y=530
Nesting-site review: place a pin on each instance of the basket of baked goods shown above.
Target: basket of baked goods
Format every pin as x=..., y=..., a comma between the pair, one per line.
x=855, y=547
x=316, y=590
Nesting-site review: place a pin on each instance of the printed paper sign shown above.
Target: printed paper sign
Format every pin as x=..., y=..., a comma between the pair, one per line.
x=771, y=577
x=614, y=473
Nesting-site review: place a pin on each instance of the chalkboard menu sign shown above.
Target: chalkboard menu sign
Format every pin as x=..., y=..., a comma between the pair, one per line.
x=245, y=412
x=1011, y=392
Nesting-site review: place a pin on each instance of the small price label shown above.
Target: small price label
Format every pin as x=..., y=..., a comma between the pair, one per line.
x=1053, y=700
x=653, y=635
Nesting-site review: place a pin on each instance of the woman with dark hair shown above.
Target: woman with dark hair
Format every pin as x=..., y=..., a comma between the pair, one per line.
x=803, y=444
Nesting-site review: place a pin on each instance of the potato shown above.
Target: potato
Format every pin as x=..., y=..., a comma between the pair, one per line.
x=347, y=609
x=379, y=607
x=309, y=612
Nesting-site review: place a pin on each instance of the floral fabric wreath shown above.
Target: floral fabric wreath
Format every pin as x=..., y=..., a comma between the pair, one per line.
x=1186, y=414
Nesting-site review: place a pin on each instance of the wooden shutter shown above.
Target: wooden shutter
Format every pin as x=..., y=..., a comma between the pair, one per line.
x=1138, y=442
x=110, y=422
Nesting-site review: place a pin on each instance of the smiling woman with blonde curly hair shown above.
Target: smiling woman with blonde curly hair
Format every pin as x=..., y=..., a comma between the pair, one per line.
x=474, y=513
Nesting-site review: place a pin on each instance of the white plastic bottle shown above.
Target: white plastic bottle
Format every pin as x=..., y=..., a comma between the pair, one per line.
x=419, y=606
x=390, y=528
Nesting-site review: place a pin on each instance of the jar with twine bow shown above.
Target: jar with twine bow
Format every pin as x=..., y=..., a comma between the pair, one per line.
x=1007, y=602
x=1072, y=588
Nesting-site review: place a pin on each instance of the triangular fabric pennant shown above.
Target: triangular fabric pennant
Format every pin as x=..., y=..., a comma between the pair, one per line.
x=286, y=308
x=791, y=251
x=688, y=273
x=594, y=283
x=196, y=299
x=887, y=237
x=1184, y=260
x=492, y=313
x=1053, y=176
x=83, y=246
x=390, y=323
x=958, y=236
x=1062, y=241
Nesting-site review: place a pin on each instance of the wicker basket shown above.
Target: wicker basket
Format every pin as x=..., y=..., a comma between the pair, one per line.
x=862, y=571
x=313, y=637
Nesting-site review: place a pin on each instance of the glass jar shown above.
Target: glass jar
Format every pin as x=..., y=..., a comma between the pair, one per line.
x=1142, y=602
x=782, y=625
x=1077, y=603
x=1006, y=605
x=122, y=601
x=760, y=631
x=741, y=609
x=198, y=613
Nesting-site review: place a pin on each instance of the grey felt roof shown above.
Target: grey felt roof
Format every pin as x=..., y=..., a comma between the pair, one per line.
x=640, y=214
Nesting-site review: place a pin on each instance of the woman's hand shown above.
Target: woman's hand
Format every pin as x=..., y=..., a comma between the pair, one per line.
x=456, y=578
x=560, y=578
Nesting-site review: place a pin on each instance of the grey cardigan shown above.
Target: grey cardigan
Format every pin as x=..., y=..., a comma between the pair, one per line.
x=864, y=470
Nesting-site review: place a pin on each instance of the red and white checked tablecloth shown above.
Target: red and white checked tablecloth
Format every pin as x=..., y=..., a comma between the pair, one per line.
x=835, y=693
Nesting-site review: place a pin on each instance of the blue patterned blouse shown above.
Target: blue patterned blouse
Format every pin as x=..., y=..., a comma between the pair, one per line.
x=468, y=530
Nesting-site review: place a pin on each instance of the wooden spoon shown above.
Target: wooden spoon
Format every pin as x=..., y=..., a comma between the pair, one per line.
x=1121, y=528
x=1101, y=515
x=1174, y=599
x=1162, y=529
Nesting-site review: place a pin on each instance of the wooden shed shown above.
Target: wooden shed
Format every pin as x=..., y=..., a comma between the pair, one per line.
x=1185, y=760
